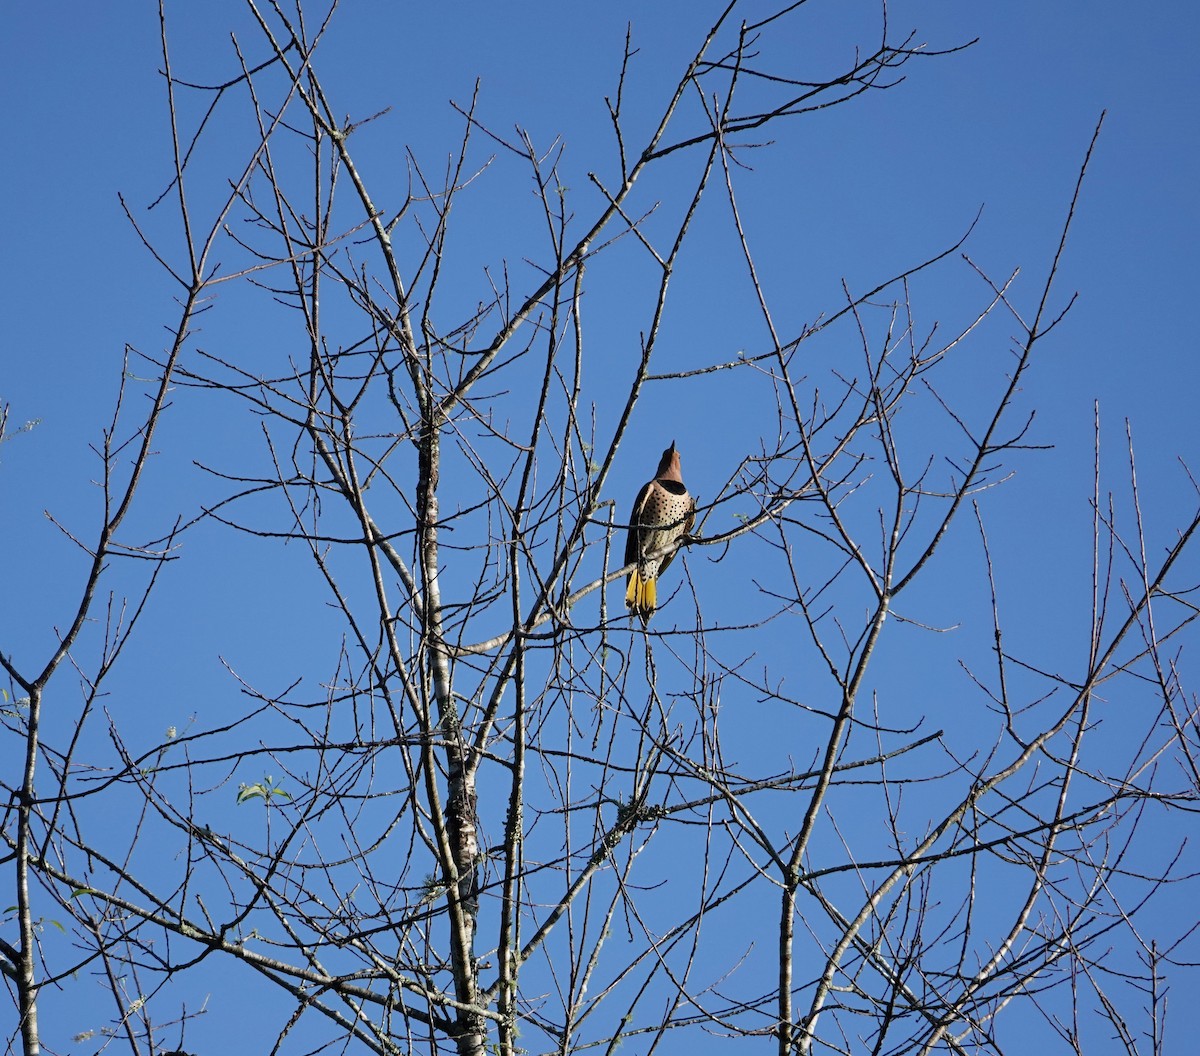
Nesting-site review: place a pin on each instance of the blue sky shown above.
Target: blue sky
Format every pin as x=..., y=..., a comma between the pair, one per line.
x=849, y=196
x=855, y=194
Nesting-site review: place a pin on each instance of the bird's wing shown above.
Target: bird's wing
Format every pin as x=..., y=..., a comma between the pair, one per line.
x=633, y=541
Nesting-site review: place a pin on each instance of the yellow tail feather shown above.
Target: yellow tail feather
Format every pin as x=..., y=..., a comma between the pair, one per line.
x=641, y=595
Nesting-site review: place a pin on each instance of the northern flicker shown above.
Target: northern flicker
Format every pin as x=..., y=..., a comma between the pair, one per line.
x=662, y=512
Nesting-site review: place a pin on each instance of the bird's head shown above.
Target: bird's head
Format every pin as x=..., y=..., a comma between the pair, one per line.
x=669, y=467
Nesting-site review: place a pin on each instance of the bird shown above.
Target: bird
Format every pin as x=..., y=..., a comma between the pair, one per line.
x=663, y=513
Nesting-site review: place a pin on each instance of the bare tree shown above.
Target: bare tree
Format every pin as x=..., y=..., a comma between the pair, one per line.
x=501, y=815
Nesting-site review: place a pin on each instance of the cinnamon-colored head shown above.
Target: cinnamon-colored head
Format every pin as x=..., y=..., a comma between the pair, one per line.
x=669, y=467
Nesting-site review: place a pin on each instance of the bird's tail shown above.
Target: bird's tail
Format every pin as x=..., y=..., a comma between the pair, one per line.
x=641, y=594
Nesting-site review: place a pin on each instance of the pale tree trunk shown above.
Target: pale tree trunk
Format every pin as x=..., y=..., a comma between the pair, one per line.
x=458, y=837
x=26, y=970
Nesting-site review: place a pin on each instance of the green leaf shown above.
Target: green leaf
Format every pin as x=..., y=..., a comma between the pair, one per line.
x=266, y=790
